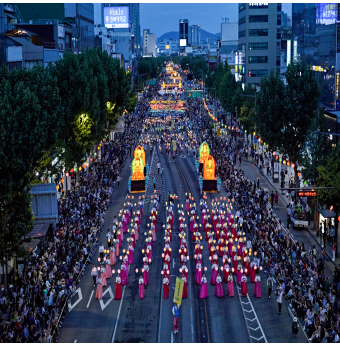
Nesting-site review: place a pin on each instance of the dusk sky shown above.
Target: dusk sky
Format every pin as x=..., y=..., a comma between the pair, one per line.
x=164, y=17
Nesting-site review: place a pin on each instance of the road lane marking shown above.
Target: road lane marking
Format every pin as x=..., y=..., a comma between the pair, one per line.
x=75, y=341
x=80, y=297
x=102, y=305
x=172, y=336
x=120, y=307
x=90, y=299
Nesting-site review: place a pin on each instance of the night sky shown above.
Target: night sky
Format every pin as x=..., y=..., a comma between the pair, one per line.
x=164, y=17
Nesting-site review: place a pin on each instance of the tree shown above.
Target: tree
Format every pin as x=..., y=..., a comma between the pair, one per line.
x=329, y=176
x=29, y=108
x=316, y=150
x=186, y=63
x=145, y=67
x=270, y=108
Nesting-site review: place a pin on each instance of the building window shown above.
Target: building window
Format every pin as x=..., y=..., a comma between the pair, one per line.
x=241, y=8
x=258, y=32
x=279, y=7
x=258, y=59
x=278, y=35
x=278, y=63
x=258, y=46
x=257, y=73
x=242, y=21
x=256, y=5
x=258, y=19
x=242, y=33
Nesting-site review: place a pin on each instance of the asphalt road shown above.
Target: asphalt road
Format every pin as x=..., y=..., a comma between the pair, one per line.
x=150, y=320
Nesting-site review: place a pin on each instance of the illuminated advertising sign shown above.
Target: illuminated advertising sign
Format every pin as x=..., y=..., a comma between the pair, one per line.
x=326, y=14
x=289, y=55
x=295, y=50
x=183, y=42
x=337, y=85
x=167, y=46
x=302, y=194
x=116, y=17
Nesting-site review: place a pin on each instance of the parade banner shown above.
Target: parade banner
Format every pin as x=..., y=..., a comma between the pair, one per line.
x=178, y=291
x=173, y=123
x=218, y=132
x=174, y=145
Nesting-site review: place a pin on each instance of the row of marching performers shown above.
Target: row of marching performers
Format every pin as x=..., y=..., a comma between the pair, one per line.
x=115, y=239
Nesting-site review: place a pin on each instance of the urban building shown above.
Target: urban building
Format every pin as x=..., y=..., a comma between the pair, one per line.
x=286, y=57
x=189, y=35
x=259, y=39
x=183, y=33
x=315, y=40
x=2, y=34
x=195, y=34
x=228, y=47
x=134, y=24
x=168, y=47
x=101, y=38
x=79, y=16
x=149, y=43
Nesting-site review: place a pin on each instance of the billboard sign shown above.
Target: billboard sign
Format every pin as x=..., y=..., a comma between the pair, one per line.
x=117, y=17
x=183, y=42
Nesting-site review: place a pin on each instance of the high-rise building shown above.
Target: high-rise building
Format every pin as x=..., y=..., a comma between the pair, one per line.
x=259, y=39
x=2, y=35
x=195, y=35
x=183, y=33
x=189, y=35
x=149, y=43
x=134, y=23
x=315, y=39
x=80, y=16
x=168, y=46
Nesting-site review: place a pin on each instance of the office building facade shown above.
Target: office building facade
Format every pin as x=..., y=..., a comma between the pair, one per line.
x=149, y=43
x=167, y=47
x=315, y=40
x=183, y=33
x=259, y=40
x=195, y=35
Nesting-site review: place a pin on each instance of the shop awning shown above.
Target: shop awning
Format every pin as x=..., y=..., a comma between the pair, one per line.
x=39, y=230
x=326, y=213
x=31, y=245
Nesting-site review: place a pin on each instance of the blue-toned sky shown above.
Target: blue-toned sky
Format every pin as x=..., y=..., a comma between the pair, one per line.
x=164, y=17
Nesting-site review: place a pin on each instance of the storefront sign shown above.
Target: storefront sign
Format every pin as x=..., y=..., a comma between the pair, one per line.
x=302, y=194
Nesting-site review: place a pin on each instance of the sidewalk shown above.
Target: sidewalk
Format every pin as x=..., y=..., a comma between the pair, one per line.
x=312, y=232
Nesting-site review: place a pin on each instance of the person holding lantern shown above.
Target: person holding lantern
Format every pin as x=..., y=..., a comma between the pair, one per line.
x=141, y=287
x=185, y=288
x=166, y=286
x=149, y=249
x=146, y=271
x=99, y=290
x=244, y=285
x=257, y=287
x=130, y=253
x=118, y=289
x=252, y=271
x=218, y=287
x=124, y=273
x=230, y=289
x=108, y=267
x=214, y=268
x=204, y=289
x=198, y=272
x=239, y=273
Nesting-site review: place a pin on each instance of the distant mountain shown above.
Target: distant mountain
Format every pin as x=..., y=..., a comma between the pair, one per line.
x=204, y=35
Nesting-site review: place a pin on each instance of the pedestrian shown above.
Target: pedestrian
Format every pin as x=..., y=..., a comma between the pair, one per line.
x=101, y=251
x=295, y=328
x=158, y=166
x=94, y=275
x=118, y=180
x=333, y=251
x=141, y=287
x=279, y=294
x=270, y=285
x=272, y=196
x=154, y=182
x=175, y=312
x=258, y=182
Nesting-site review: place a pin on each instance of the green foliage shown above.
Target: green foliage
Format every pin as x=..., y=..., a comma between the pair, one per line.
x=29, y=109
x=316, y=151
x=285, y=112
x=230, y=92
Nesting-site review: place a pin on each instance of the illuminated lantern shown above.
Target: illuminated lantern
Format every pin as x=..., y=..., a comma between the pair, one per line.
x=298, y=173
x=62, y=180
x=139, y=151
x=209, y=168
x=91, y=159
x=137, y=169
x=204, y=152
x=72, y=170
x=58, y=187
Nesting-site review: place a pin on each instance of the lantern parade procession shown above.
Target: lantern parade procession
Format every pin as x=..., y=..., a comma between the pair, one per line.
x=179, y=244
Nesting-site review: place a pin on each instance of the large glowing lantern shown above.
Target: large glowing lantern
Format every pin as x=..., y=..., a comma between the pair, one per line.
x=209, y=168
x=139, y=151
x=204, y=152
x=137, y=169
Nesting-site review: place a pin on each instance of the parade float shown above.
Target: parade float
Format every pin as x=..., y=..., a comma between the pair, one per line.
x=209, y=180
x=137, y=179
